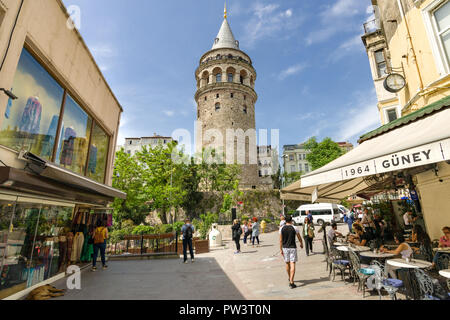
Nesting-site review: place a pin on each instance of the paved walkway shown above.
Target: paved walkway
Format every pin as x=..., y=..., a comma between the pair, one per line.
x=258, y=273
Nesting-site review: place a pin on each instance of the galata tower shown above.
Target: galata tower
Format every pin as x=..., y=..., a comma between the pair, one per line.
x=226, y=100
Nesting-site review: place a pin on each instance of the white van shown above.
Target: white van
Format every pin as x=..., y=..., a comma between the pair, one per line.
x=321, y=212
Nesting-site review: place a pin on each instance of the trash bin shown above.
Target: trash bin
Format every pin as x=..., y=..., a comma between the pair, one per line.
x=215, y=237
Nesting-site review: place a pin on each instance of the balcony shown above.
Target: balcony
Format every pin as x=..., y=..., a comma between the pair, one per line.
x=372, y=26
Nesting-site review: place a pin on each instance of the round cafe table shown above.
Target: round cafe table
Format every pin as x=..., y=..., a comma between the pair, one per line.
x=356, y=248
x=445, y=273
x=411, y=288
x=376, y=256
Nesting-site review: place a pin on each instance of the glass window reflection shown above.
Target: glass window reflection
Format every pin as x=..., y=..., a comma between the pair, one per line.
x=98, y=154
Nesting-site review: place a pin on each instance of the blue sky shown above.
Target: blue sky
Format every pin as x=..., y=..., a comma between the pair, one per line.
x=313, y=72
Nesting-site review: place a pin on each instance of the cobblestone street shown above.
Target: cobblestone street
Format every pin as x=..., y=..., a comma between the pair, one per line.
x=258, y=273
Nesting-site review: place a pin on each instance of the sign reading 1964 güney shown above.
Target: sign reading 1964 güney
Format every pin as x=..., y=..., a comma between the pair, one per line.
x=426, y=154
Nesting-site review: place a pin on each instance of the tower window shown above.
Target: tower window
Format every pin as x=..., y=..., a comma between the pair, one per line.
x=219, y=77
x=206, y=98
x=241, y=79
x=245, y=109
x=245, y=97
x=217, y=106
x=217, y=96
x=230, y=77
x=232, y=95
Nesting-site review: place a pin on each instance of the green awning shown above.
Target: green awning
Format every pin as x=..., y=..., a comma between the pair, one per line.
x=423, y=112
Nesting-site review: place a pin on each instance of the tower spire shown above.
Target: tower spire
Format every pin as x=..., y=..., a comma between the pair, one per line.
x=225, y=11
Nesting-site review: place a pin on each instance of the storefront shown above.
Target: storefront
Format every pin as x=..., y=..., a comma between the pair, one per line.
x=59, y=123
x=413, y=151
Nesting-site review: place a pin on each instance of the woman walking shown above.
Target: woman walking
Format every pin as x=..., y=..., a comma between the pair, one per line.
x=255, y=231
x=100, y=236
x=245, y=231
x=308, y=235
x=237, y=231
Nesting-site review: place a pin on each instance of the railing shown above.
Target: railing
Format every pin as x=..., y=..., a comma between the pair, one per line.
x=144, y=244
x=371, y=26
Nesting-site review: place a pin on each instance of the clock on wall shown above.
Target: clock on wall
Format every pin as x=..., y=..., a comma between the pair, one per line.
x=394, y=82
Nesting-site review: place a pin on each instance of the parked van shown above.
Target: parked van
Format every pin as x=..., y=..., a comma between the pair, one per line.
x=321, y=212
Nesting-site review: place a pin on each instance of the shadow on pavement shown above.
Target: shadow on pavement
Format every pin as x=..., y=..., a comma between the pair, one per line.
x=307, y=282
x=165, y=279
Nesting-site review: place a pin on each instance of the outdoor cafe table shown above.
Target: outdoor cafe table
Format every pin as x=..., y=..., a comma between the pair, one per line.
x=376, y=256
x=413, y=264
x=445, y=273
x=443, y=250
x=356, y=248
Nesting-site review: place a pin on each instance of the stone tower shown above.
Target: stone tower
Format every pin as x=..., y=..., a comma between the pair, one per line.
x=226, y=104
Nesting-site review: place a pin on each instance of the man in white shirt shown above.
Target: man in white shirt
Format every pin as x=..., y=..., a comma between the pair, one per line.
x=407, y=219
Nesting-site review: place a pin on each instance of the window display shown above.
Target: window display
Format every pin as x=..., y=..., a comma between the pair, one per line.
x=32, y=242
x=74, y=140
x=98, y=154
x=28, y=121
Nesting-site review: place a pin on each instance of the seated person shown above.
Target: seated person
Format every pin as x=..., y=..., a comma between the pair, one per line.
x=333, y=234
x=423, y=250
x=403, y=249
x=444, y=242
x=362, y=237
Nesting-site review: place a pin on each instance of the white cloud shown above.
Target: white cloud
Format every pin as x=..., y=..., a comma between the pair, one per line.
x=338, y=18
x=362, y=118
x=350, y=46
x=268, y=20
x=292, y=70
x=169, y=113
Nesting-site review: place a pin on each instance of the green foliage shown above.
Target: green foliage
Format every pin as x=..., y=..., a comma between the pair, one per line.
x=322, y=153
x=204, y=224
x=143, y=230
x=292, y=177
x=177, y=226
x=267, y=220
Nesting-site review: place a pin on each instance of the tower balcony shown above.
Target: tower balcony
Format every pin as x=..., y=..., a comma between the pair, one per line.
x=372, y=26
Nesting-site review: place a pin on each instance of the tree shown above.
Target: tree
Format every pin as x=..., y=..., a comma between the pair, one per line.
x=292, y=177
x=127, y=177
x=322, y=153
x=190, y=182
x=162, y=179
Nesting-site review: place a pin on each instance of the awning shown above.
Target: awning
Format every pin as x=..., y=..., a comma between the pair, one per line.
x=419, y=139
x=43, y=178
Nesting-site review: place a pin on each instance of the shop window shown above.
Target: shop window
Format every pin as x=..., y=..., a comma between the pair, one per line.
x=98, y=154
x=33, y=236
x=31, y=121
x=74, y=140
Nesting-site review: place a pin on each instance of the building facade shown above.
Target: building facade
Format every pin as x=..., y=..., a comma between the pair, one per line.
x=59, y=121
x=345, y=146
x=268, y=164
x=410, y=38
x=295, y=158
x=133, y=145
x=226, y=100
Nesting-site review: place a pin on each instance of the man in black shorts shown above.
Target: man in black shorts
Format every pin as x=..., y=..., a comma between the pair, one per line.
x=289, y=249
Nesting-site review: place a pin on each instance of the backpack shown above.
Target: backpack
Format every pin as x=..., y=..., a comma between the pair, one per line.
x=99, y=235
x=187, y=233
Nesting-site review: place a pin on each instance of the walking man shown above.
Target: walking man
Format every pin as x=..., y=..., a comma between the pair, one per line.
x=236, y=233
x=187, y=230
x=288, y=248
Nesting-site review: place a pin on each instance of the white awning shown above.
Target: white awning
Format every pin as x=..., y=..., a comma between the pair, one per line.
x=422, y=142
x=419, y=143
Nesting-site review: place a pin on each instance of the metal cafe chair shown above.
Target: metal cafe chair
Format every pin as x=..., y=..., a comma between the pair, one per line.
x=358, y=272
x=337, y=261
x=426, y=285
x=382, y=280
x=443, y=261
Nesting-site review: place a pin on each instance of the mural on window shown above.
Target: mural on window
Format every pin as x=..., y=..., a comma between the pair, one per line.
x=98, y=154
x=74, y=139
x=31, y=121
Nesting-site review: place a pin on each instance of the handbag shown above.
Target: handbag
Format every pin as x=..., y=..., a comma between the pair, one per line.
x=310, y=232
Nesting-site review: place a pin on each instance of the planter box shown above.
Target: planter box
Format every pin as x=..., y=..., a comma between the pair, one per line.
x=201, y=246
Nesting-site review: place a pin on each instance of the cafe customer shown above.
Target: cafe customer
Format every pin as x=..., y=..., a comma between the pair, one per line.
x=403, y=249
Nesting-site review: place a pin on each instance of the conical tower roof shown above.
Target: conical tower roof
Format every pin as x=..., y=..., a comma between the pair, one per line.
x=225, y=37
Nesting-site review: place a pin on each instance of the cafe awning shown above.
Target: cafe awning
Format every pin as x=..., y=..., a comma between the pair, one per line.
x=418, y=139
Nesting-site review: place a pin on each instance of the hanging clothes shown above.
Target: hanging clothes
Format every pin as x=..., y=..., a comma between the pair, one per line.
x=77, y=247
x=68, y=146
x=62, y=253
x=88, y=249
x=92, y=159
x=31, y=116
x=69, y=238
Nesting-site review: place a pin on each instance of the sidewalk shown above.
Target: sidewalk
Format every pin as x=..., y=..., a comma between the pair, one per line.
x=258, y=273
